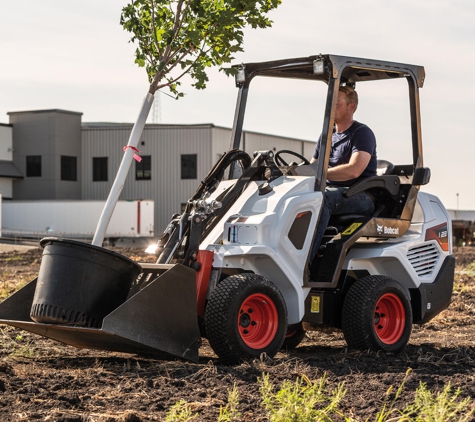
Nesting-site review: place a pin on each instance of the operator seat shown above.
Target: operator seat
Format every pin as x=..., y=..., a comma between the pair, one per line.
x=377, y=187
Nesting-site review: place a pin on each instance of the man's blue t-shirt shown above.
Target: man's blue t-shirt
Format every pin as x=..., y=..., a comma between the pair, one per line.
x=358, y=137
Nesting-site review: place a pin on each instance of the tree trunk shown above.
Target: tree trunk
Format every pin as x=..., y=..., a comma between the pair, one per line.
x=123, y=171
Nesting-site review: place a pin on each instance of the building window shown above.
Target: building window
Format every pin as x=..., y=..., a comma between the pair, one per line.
x=33, y=166
x=99, y=169
x=143, y=170
x=69, y=168
x=189, y=166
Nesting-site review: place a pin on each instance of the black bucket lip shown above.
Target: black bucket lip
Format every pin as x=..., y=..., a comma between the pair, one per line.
x=50, y=240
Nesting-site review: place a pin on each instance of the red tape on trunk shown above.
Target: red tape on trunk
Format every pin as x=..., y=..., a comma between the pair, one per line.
x=137, y=157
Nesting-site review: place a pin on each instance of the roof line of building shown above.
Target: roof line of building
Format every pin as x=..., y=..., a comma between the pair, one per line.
x=108, y=125
x=52, y=110
x=150, y=126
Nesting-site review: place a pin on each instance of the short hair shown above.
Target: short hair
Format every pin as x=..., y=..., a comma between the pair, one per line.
x=351, y=94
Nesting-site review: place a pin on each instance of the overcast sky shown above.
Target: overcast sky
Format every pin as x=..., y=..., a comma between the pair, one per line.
x=74, y=55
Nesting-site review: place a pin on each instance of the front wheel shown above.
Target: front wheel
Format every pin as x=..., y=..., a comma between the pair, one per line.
x=377, y=315
x=245, y=317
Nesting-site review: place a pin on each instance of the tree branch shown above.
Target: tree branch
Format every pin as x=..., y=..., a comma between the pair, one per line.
x=174, y=29
x=185, y=71
x=155, y=31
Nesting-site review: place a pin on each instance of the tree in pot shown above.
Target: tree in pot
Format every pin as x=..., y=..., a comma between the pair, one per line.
x=175, y=38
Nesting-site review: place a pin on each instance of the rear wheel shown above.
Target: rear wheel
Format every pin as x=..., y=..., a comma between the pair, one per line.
x=245, y=317
x=377, y=315
x=294, y=336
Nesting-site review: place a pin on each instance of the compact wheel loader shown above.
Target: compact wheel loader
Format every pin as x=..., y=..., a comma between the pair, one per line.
x=234, y=266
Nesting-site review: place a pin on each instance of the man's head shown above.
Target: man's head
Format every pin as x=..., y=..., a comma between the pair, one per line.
x=350, y=94
x=346, y=105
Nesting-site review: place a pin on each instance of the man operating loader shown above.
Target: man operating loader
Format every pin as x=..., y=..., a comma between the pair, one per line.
x=352, y=157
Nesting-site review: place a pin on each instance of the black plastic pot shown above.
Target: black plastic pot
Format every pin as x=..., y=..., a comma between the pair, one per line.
x=79, y=284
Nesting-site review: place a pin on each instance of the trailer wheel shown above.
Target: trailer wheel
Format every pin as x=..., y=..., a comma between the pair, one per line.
x=245, y=317
x=294, y=336
x=377, y=315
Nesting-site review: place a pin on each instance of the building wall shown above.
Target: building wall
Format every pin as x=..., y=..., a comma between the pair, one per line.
x=6, y=188
x=253, y=141
x=6, y=153
x=165, y=144
x=6, y=142
x=221, y=140
x=50, y=134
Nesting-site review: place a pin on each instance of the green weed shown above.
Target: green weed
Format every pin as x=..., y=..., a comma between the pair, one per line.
x=230, y=412
x=443, y=406
x=384, y=415
x=180, y=412
x=471, y=269
x=307, y=401
x=14, y=258
x=300, y=401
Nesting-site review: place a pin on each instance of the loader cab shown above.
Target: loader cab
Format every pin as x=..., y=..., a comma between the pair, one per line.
x=395, y=189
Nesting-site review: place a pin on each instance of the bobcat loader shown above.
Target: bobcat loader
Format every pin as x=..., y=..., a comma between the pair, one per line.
x=234, y=266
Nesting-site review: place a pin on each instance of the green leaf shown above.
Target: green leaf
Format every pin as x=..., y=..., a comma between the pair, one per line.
x=140, y=62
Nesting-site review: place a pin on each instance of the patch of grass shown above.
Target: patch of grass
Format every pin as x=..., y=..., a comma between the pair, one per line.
x=230, y=412
x=16, y=345
x=446, y=405
x=180, y=412
x=301, y=401
x=9, y=286
x=385, y=414
x=14, y=258
x=471, y=269
x=305, y=401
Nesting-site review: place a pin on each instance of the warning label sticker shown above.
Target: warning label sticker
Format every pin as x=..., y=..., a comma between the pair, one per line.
x=351, y=229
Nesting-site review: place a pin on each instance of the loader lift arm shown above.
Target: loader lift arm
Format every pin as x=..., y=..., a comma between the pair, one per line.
x=180, y=241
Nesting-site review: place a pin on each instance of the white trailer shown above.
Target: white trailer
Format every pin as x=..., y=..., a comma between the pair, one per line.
x=76, y=219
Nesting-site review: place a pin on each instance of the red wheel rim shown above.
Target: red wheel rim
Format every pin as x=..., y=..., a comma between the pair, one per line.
x=389, y=318
x=258, y=321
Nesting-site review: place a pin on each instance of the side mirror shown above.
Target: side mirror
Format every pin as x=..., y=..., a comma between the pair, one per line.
x=421, y=176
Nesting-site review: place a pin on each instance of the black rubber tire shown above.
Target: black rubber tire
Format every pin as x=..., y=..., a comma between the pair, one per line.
x=377, y=315
x=294, y=336
x=227, y=324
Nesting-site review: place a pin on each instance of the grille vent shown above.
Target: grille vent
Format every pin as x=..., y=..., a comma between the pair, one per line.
x=423, y=259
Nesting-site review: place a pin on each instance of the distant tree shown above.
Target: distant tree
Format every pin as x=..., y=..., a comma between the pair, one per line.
x=175, y=38
x=179, y=37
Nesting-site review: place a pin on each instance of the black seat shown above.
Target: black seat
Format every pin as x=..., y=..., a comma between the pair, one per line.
x=384, y=167
x=379, y=187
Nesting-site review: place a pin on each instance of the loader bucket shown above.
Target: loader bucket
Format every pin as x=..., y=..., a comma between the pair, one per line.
x=160, y=319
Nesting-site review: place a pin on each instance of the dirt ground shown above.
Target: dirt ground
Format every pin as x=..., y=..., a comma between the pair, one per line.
x=44, y=380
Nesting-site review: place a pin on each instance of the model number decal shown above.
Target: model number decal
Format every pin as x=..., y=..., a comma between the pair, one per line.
x=439, y=233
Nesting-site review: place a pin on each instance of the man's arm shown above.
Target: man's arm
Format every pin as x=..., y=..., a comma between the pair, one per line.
x=358, y=162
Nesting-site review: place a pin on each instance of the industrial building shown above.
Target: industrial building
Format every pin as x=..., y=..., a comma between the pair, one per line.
x=52, y=155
